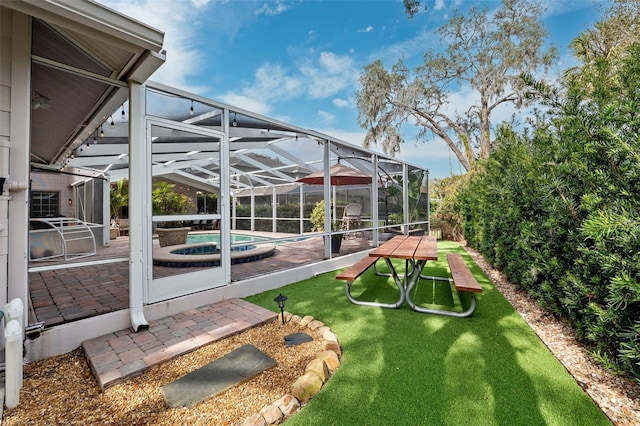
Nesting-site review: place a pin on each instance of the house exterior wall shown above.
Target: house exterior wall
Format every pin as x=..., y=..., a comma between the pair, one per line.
x=61, y=183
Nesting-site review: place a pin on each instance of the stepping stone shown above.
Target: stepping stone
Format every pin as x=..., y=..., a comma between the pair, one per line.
x=296, y=339
x=217, y=376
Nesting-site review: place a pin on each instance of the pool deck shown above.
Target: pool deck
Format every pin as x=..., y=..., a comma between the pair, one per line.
x=64, y=295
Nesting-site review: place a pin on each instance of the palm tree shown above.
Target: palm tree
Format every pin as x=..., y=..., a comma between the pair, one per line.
x=119, y=197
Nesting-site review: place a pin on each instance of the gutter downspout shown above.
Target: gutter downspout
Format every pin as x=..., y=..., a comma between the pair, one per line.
x=4, y=216
x=139, y=220
x=6, y=187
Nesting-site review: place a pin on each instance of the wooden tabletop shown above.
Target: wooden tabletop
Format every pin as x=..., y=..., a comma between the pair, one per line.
x=408, y=247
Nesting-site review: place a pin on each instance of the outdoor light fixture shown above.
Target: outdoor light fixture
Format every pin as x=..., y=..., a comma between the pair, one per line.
x=280, y=301
x=191, y=109
x=39, y=101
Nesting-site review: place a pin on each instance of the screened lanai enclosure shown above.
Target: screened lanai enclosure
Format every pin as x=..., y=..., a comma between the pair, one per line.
x=197, y=195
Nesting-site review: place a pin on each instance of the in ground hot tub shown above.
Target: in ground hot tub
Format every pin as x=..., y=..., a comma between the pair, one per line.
x=208, y=254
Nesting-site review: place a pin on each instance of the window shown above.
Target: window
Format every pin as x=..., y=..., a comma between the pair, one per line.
x=45, y=204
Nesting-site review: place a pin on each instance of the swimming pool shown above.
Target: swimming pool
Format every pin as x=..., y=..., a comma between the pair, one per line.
x=214, y=237
x=203, y=250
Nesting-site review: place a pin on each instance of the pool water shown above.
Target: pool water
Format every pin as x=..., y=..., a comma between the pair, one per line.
x=215, y=238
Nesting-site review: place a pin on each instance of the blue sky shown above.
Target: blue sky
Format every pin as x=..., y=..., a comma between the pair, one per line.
x=299, y=61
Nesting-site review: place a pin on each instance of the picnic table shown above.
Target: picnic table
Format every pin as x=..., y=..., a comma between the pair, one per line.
x=416, y=251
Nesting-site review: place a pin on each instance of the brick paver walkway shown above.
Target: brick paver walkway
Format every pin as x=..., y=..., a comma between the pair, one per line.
x=118, y=356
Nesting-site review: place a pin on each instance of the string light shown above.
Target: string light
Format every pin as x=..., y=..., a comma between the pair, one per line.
x=235, y=123
x=122, y=113
x=111, y=117
x=191, y=109
x=101, y=132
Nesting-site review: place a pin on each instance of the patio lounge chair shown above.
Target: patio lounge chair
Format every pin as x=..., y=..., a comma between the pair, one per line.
x=351, y=217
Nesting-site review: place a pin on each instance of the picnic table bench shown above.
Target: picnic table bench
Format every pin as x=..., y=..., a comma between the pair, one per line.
x=354, y=271
x=415, y=251
x=464, y=282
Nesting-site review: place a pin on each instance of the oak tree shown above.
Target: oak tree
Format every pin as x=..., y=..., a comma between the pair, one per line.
x=483, y=51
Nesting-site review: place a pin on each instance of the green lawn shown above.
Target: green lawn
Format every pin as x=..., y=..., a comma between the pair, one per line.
x=407, y=368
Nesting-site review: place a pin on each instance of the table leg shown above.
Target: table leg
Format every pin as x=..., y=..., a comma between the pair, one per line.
x=387, y=274
x=414, y=280
x=399, y=283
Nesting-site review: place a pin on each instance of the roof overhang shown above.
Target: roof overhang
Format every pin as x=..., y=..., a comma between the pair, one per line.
x=84, y=56
x=92, y=20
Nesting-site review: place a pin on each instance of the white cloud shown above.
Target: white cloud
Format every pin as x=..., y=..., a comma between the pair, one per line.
x=271, y=83
x=176, y=19
x=354, y=138
x=246, y=102
x=328, y=74
x=326, y=117
x=200, y=3
x=368, y=29
x=340, y=103
x=321, y=77
x=439, y=5
x=272, y=8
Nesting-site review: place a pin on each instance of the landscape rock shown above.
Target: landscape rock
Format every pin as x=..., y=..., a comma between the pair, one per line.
x=315, y=324
x=330, y=335
x=254, y=420
x=306, y=387
x=319, y=368
x=296, y=318
x=330, y=358
x=272, y=414
x=306, y=320
x=323, y=329
x=331, y=345
x=288, y=405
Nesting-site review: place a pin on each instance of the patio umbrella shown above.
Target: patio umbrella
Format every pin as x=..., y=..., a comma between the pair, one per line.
x=340, y=175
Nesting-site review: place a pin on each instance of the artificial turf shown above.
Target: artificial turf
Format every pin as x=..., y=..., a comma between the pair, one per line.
x=401, y=367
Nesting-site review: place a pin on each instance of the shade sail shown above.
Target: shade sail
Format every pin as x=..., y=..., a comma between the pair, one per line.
x=340, y=175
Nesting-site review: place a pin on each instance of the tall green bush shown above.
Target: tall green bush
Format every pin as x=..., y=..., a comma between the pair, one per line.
x=558, y=211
